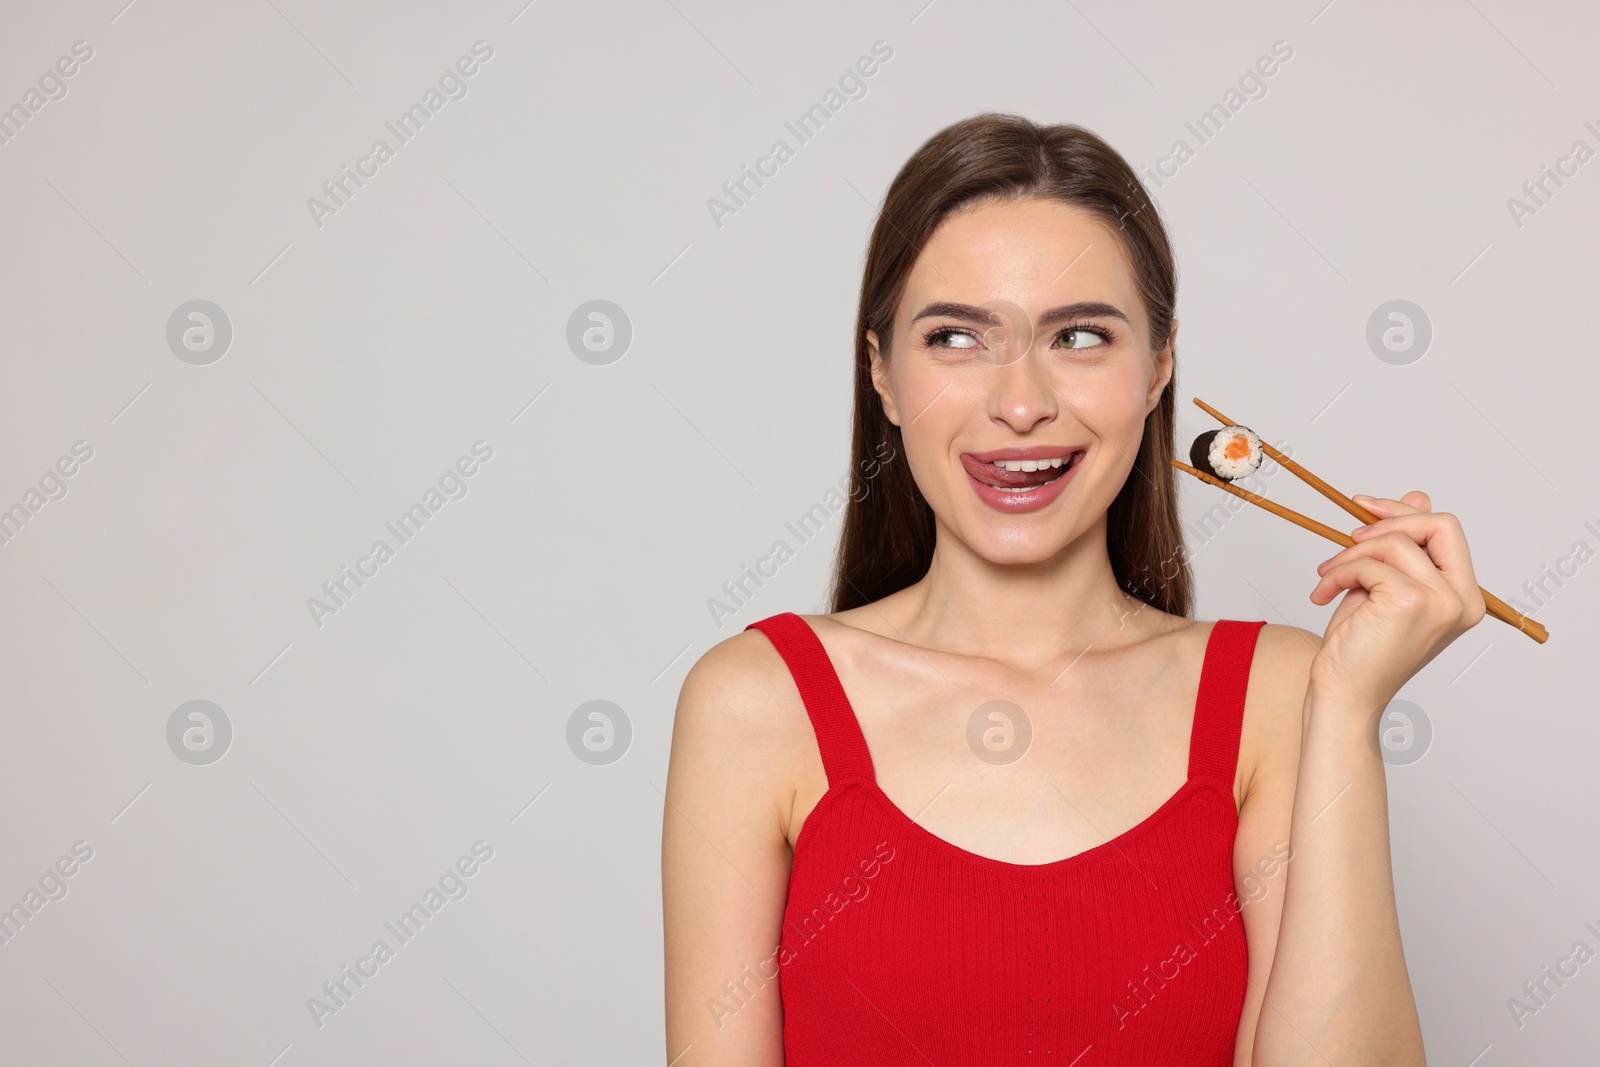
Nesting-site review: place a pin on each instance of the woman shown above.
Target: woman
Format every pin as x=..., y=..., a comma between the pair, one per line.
x=1009, y=803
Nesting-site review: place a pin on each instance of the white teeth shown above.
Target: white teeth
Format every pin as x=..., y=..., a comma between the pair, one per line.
x=1029, y=464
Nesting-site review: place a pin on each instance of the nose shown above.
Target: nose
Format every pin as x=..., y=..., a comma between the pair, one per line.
x=1021, y=395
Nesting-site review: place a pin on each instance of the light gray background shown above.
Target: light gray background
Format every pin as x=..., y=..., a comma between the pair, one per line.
x=369, y=353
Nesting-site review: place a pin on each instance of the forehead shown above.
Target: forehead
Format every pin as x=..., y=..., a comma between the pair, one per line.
x=1036, y=253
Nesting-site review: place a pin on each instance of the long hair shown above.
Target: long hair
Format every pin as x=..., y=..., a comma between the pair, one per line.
x=888, y=536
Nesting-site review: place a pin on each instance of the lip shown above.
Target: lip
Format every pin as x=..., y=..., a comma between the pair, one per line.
x=1017, y=503
x=1032, y=452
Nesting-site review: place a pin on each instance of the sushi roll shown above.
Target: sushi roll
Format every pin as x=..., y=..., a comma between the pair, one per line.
x=1230, y=453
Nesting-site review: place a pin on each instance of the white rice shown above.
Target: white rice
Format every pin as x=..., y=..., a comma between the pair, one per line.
x=1232, y=469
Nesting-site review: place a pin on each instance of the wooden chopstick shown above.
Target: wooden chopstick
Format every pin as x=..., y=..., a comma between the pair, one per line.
x=1493, y=604
x=1298, y=471
x=1262, y=502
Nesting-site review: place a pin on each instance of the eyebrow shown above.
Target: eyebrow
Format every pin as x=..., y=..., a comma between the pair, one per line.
x=1064, y=313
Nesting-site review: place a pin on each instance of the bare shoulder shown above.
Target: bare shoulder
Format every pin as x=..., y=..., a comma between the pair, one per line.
x=737, y=674
x=741, y=693
x=740, y=726
x=725, y=859
x=1270, y=742
x=1282, y=663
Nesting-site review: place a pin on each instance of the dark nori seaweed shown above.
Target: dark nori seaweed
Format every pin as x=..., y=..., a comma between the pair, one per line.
x=1200, y=453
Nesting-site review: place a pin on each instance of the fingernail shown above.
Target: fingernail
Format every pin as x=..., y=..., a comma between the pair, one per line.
x=1362, y=498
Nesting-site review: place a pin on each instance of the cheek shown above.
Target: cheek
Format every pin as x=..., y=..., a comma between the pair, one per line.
x=1109, y=399
x=934, y=410
x=915, y=389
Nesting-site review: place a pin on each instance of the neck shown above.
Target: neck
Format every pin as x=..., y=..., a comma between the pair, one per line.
x=1021, y=613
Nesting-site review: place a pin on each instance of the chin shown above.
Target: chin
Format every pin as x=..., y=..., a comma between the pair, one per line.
x=1014, y=547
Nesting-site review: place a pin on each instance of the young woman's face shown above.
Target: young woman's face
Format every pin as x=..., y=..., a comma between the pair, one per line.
x=967, y=388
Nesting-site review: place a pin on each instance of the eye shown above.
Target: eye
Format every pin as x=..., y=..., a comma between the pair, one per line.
x=949, y=337
x=1085, y=337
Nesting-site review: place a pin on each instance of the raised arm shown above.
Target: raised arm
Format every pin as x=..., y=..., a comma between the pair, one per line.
x=1338, y=990
x=1269, y=760
x=725, y=855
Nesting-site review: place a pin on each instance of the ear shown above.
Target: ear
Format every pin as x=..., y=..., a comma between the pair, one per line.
x=1163, y=370
x=880, y=378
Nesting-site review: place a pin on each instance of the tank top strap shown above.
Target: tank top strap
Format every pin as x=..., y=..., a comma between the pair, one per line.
x=1219, y=707
x=839, y=737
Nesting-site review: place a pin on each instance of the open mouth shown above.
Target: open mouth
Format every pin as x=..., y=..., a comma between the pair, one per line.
x=1020, y=475
x=1015, y=481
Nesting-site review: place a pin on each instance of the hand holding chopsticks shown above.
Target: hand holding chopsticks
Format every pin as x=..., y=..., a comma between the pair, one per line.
x=1494, y=605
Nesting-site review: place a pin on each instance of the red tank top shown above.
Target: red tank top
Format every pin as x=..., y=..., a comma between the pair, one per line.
x=899, y=947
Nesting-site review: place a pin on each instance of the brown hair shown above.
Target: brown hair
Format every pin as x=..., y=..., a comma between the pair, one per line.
x=888, y=537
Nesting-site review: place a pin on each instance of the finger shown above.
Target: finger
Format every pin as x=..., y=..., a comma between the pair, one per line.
x=1393, y=589
x=1374, y=576
x=1398, y=551
x=1382, y=506
x=1437, y=533
x=1419, y=588
x=1419, y=500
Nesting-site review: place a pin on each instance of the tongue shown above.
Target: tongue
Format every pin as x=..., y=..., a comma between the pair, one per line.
x=1002, y=478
